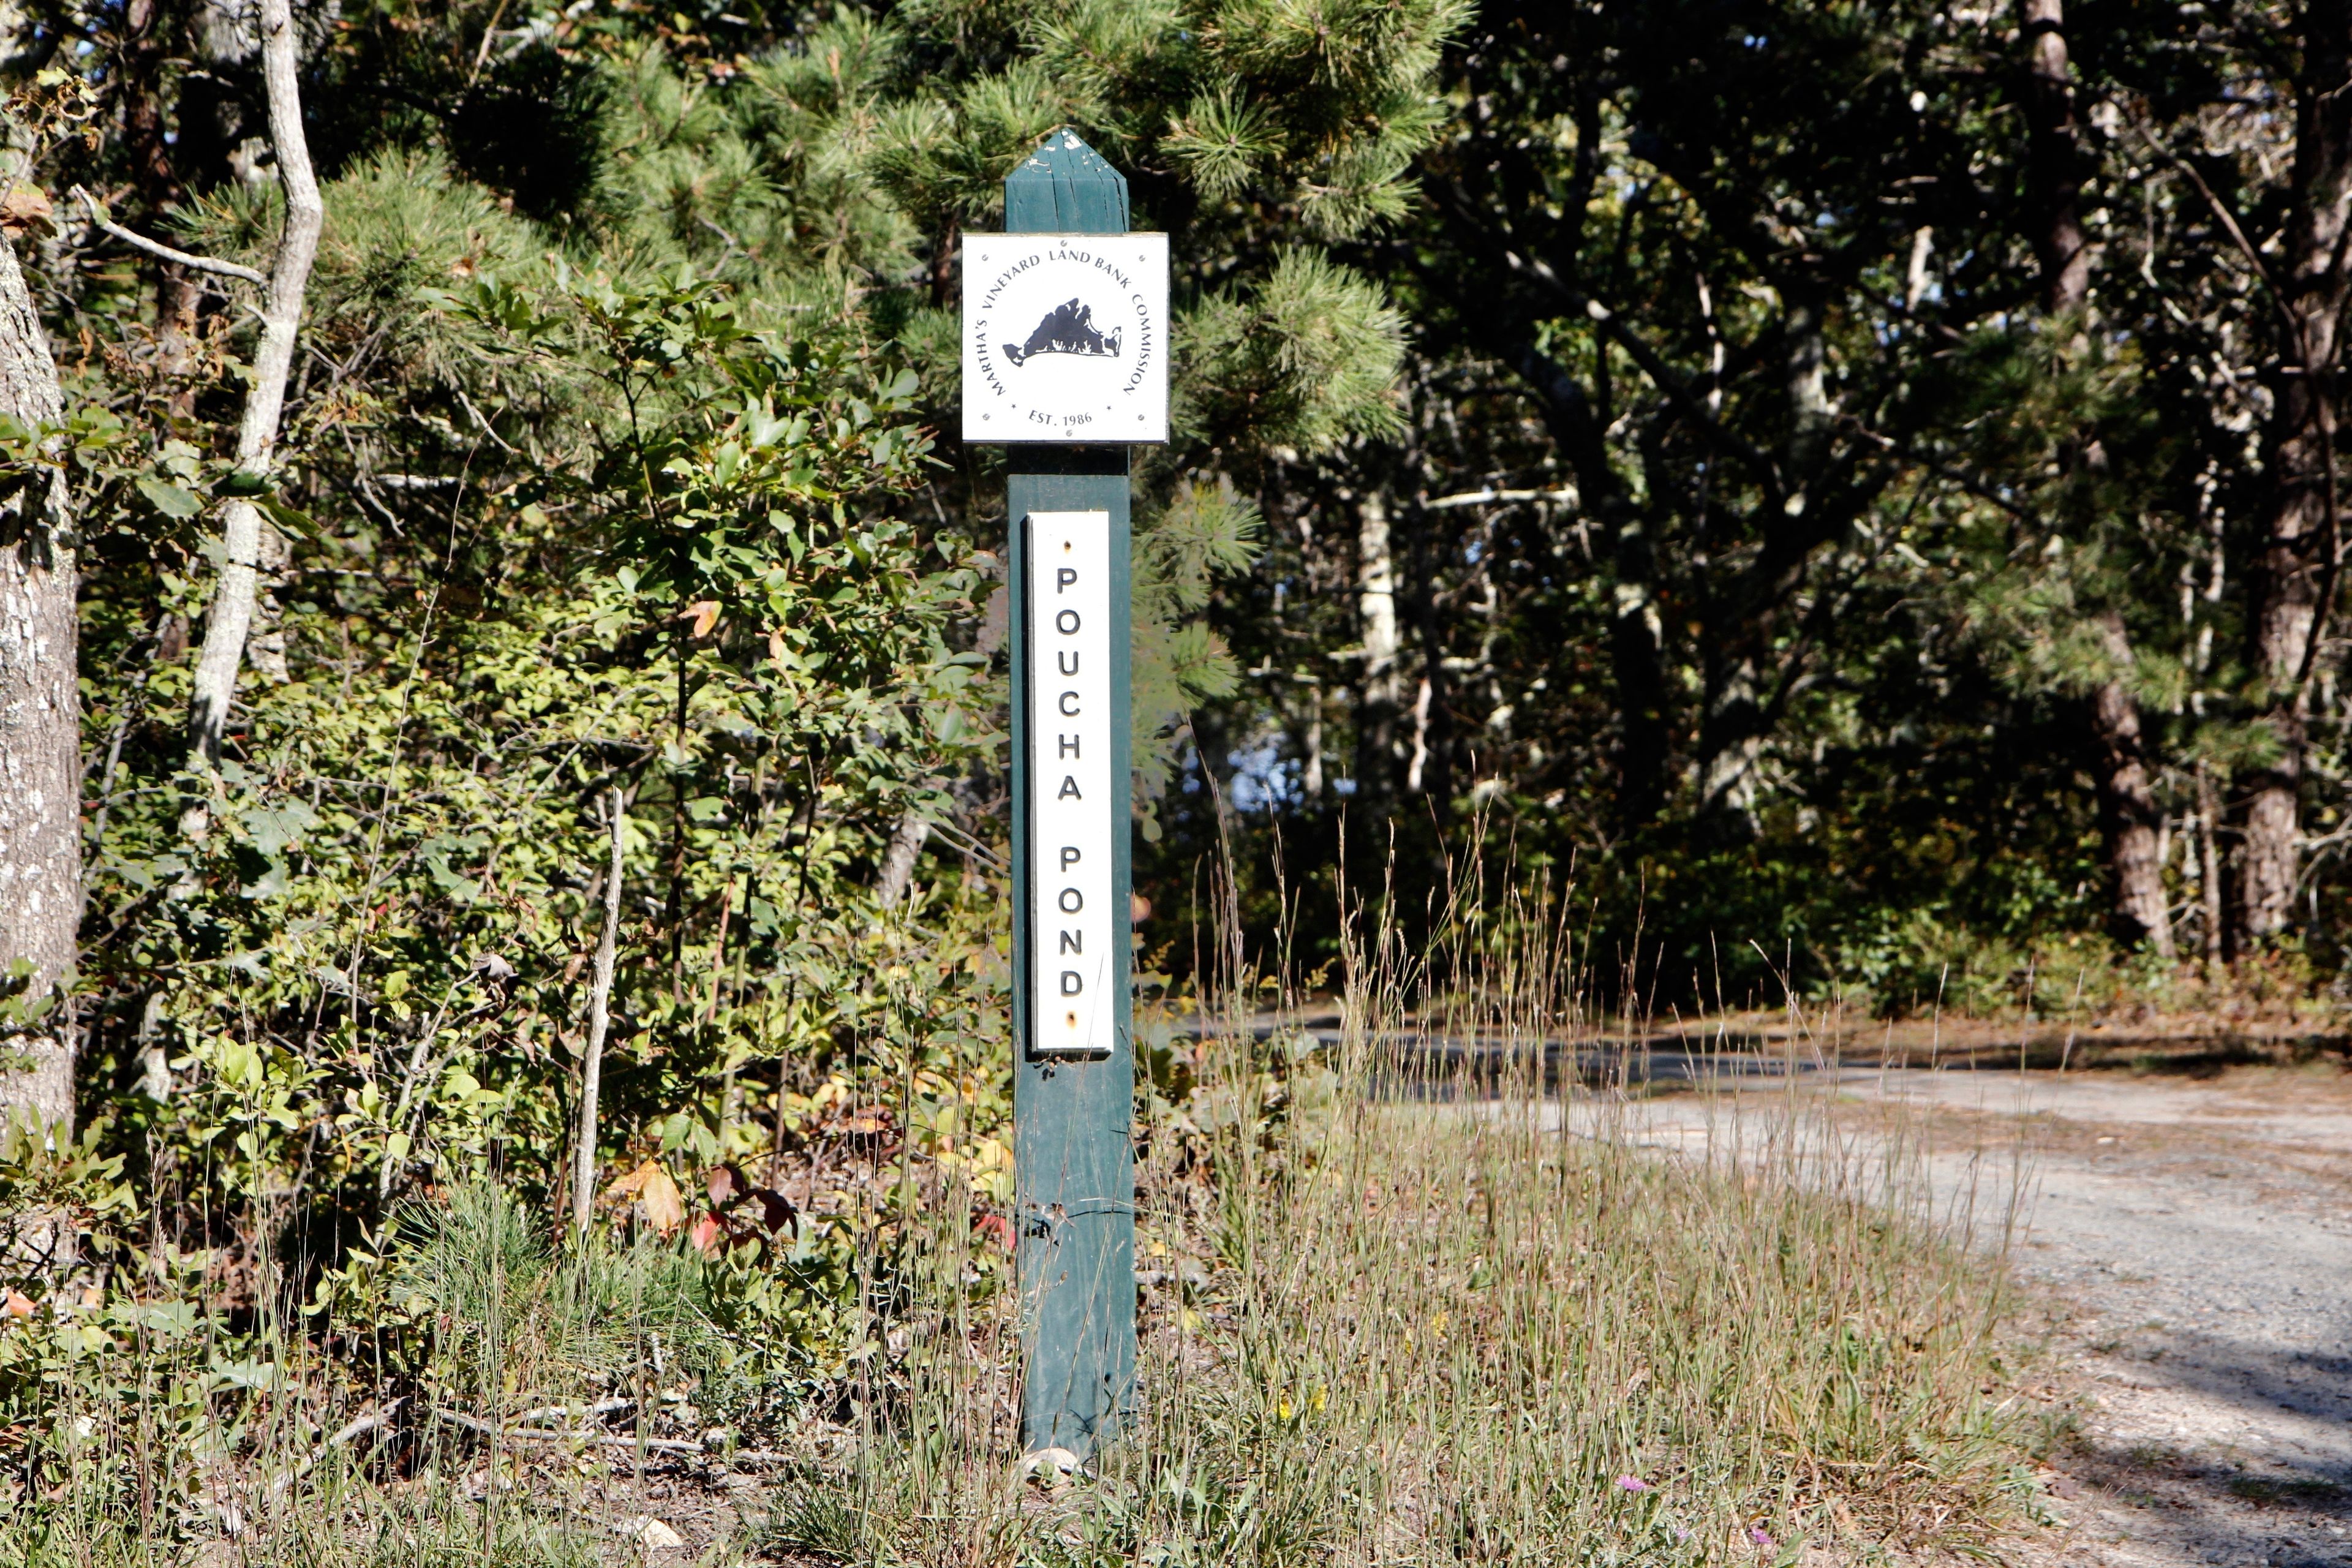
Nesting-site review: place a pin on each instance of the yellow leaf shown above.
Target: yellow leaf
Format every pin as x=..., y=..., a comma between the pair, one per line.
x=704, y=613
x=659, y=1198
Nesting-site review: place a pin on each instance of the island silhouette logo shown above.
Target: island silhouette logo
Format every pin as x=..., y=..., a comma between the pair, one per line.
x=1068, y=329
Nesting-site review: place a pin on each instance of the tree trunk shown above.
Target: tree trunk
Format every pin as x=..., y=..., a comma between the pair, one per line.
x=1637, y=634
x=148, y=140
x=2053, y=160
x=2130, y=816
x=1431, y=769
x=2209, y=867
x=231, y=615
x=1311, y=781
x=40, y=742
x=1637, y=664
x=2294, y=572
x=899, y=859
x=1376, y=618
x=2128, y=812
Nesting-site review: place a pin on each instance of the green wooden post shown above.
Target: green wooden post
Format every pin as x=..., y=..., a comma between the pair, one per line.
x=1073, y=1149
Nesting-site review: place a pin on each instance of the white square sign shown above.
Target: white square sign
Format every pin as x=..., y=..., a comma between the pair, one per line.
x=1077, y=805
x=1066, y=338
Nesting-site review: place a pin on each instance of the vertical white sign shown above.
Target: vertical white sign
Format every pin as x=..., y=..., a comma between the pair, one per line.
x=1075, y=806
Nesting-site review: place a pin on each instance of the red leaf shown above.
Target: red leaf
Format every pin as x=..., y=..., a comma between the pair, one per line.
x=776, y=1210
x=725, y=1184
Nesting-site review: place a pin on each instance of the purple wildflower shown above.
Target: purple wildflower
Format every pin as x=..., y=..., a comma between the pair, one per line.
x=1634, y=1483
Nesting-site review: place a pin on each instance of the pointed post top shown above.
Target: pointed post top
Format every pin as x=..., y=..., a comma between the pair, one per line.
x=1064, y=187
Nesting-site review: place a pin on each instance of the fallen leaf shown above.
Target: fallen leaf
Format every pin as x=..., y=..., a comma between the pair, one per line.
x=995, y=1228
x=17, y=1305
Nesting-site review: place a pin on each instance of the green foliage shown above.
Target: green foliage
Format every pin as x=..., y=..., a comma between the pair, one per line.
x=608, y=485
x=1180, y=664
x=1307, y=360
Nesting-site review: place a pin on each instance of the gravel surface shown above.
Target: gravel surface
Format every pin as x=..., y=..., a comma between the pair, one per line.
x=2195, y=1237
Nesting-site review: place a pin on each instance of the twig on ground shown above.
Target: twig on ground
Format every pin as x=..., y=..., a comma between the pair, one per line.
x=358, y=1428
x=604, y=1440
x=600, y=1409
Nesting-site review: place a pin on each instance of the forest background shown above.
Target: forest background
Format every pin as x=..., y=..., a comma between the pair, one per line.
x=1844, y=494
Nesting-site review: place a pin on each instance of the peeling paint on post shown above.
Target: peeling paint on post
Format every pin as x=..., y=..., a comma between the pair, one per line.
x=1064, y=358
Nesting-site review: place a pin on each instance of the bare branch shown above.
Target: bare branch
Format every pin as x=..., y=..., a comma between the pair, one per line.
x=1491, y=497
x=157, y=249
x=373, y=1421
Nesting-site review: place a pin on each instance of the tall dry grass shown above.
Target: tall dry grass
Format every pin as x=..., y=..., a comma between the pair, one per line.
x=1414, y=1289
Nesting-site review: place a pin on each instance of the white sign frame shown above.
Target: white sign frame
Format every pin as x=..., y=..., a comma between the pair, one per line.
x=1065, y=339
x=1076, y=808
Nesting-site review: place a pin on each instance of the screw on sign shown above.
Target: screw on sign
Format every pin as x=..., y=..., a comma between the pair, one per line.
x=1064, y=360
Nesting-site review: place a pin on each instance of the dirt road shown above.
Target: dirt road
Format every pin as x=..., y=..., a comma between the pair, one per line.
x=2195, y=1239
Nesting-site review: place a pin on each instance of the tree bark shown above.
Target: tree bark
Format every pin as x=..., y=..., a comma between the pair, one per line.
x=1376, y=619
x=231, y=615
x=2294, y=572
x=1637, y=663
x=146, y=139
x=2209, y=867
x=2128, y=812
x=899, y=859
x=40, y=742
x=2053, y=171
